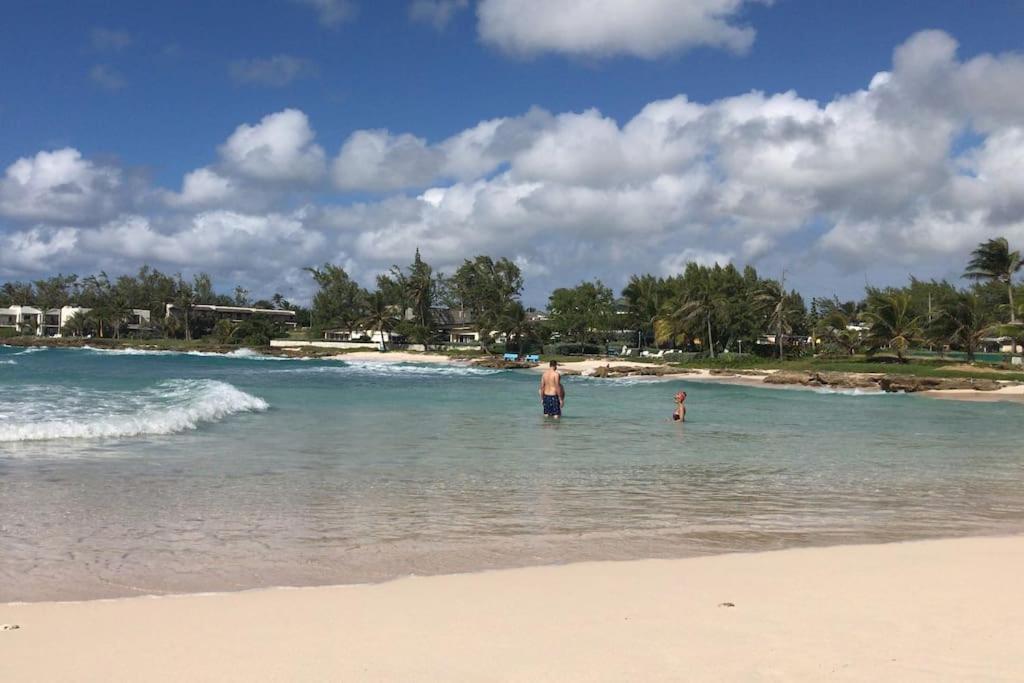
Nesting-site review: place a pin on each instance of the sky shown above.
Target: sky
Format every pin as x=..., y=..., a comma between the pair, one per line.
x=840, y=143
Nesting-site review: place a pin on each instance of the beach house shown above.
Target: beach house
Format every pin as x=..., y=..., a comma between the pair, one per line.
x=234, y=313
x=29, y=320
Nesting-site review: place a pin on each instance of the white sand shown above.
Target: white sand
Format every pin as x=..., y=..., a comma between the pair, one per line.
x=1007, y=393
x=929, y=611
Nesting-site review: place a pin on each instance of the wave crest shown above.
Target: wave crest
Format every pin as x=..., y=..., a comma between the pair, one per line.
x=171, y=406
x=396, y=369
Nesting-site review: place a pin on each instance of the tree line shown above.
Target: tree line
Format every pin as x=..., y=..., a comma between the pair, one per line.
x=705, y=309
x=111, y=300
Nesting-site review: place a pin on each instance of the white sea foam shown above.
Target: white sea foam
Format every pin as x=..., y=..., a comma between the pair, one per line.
x=8, y=362
x=376, y=369
x=168, y=407
x=851, y=392
x=243, y=353
x=31, y=349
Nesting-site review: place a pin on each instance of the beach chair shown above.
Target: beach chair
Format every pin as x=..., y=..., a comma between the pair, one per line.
x=534, y=358
x=511, y=356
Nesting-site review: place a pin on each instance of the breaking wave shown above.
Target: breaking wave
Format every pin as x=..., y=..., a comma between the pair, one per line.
x=375, y=369
x=245, y=353
x=851, y=392
x=8, y=362
x=166, y=408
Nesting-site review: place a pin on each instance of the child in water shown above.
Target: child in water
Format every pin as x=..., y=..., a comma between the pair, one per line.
x=679, y=415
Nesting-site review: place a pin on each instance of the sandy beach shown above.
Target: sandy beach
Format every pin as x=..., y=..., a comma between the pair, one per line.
x=931, y=610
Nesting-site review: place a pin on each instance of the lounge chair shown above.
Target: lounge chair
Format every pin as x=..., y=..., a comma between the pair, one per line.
x=511, y=356
x=534, y=358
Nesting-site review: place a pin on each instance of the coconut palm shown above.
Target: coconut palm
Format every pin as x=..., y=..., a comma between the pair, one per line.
x=379, y=316
x=514, y=322
x=77, y=325
x=964, y=324
x=778, y=307
x=835, y=327
x=184, y=298
x=646, y=295
x=698, y=307
x=994, y=262
x=892, y=322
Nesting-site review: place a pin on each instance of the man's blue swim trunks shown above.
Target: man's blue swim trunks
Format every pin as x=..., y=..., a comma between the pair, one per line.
x=552, y=406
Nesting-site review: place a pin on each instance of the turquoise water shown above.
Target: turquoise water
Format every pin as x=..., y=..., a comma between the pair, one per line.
x=130, y=473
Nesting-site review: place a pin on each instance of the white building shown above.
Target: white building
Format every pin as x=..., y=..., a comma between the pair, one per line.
x=235, y=313
x=22, y=319
x=33, y=321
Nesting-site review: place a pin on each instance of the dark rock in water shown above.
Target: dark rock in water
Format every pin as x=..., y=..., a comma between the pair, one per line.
x=909, y=384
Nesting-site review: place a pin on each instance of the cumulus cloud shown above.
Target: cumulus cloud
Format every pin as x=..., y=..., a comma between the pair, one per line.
x=376, y=160
x=908, y=172
x=274, y=72
x=279, y=148
x=60, y=186
x=331, y=13
x=437, y=13
x=107, y=77
x=605, y=28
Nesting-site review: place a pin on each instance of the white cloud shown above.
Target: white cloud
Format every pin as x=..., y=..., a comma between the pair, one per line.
x=274, y=72
x=332, y=13
x=874, y=179
x=279, y=148
x=203, y=187
x=107, y=77
x=376, y=160
x=604, y=28
x=60, y=186
x=437, y=13
x=674, y=264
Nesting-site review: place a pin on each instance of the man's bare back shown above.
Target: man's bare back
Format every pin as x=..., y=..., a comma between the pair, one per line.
x=552, y=393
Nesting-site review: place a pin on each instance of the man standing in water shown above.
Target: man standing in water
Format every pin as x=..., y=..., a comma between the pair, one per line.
x=552, y=393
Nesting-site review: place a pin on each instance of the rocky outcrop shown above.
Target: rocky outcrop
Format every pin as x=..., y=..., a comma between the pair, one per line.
x=502, y=364
x=910, y=385
x=613, y=371
x=890, y=383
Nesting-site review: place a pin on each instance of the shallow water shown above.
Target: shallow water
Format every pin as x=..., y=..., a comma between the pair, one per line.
x=125, y=473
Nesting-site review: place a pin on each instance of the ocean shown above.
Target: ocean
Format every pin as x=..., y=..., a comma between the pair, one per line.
x=127, y=473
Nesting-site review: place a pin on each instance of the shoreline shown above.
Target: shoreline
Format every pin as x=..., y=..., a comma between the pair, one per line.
x=866, y=383
x=907, y=611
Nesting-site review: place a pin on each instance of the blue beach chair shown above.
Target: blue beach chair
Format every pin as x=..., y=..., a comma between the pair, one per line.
x=511, y=356
x=534, y=358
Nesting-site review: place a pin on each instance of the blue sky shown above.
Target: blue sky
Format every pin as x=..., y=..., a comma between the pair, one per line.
x=146, y=93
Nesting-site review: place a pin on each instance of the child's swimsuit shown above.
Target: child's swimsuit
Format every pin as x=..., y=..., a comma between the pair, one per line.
x=552, y=406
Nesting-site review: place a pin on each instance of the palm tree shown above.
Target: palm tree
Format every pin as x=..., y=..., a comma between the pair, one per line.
x=994, y=262
x=699, y=306
x=835, y=326
x=379, y=316
x=773, y=301
x=646, y=296
x=184, y=298
x=964, y=324
x=892, y=323
x=514, y=322
x=77, y=325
